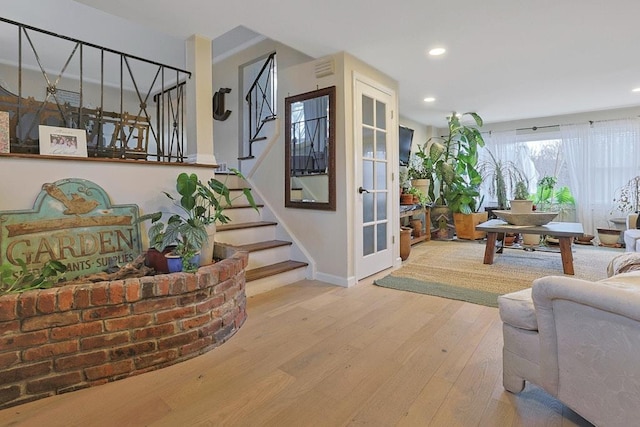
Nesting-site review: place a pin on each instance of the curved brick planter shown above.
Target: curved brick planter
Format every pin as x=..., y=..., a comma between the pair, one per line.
x=63, y=339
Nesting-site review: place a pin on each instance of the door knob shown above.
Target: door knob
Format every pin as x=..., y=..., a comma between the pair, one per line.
x=362, y=190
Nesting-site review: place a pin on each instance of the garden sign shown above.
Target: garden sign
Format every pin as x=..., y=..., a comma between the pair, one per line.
x=72, y=221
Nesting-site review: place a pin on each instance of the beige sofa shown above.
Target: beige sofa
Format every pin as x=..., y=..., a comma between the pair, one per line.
x=580, y=342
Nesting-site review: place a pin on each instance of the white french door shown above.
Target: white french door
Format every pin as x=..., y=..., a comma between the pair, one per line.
x=374, y=136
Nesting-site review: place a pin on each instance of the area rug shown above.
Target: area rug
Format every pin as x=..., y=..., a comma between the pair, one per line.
x=454, y=269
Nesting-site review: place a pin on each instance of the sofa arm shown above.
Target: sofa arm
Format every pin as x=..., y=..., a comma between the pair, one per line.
x=589, y=344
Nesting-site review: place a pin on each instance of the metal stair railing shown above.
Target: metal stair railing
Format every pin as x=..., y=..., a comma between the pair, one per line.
x=261, y=98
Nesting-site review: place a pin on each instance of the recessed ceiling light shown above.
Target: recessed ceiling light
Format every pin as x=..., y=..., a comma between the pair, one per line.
x=429, y=99
x=636, y=89
x=437, y=51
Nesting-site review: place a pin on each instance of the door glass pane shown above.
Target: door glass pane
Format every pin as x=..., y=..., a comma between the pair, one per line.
x=381, y=176
x=368, y=242
x=381, y=206
x=367, y=111
x=381, y=145
x=367, y=208
x=367, y=174
x=367, y=142
x=382, y=236
x=381, y=117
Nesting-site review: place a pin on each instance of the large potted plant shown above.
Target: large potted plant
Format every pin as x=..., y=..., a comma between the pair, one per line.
x=453, y=159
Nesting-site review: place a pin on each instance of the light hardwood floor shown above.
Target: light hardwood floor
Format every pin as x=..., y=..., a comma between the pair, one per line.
x=311, y=354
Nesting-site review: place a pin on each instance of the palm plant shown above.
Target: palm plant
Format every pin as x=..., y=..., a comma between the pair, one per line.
x=500, y=177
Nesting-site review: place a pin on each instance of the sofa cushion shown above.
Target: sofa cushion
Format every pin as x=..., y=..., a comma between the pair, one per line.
x=625, y=262
x=516, y=309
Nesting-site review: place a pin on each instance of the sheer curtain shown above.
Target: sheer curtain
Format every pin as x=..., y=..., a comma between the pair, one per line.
x=602, y=157
x=506, y=148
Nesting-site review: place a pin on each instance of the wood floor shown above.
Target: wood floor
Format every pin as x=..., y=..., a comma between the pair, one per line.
x=311, y=354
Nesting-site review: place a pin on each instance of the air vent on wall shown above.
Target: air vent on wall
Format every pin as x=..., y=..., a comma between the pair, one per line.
x=324, y=67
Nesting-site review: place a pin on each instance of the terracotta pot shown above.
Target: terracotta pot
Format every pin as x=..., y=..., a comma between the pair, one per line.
x=405, y=242
x=406, y=199
x=416, y=225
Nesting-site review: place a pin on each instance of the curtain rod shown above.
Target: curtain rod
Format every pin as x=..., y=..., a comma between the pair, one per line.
x=534, y=128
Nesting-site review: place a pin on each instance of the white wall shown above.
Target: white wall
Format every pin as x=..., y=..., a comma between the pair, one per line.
x=72, y=19
x=227, y=133
x=140, y=183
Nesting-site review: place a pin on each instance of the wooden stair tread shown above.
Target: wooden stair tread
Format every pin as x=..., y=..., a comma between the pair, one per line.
x=242, y=225
x=241, y=206
x=260, y=246
x=273, y=269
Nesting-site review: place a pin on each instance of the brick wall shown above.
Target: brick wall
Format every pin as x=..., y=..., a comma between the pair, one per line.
x=63, y=339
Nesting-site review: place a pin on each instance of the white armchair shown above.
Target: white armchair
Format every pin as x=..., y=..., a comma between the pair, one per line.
x=580, y=342
x=632, y=234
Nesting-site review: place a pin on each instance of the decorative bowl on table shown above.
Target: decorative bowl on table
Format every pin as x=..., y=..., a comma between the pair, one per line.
x=528, y=218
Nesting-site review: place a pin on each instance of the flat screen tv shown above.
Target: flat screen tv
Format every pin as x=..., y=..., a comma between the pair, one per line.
x=405, y=139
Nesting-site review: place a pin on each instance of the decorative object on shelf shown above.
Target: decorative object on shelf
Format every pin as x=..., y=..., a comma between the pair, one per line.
x=58, y=141
x=527, y=218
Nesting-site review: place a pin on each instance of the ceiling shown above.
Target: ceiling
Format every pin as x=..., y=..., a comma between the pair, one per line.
x=505, y=59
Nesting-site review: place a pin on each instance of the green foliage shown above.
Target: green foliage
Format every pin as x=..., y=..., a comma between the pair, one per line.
x=546, y=193
x=521, y=191
x=500, y=177
x=420, y=165
x=201, y=204
x=424, y=199
x=26, y=280
x=453, y=159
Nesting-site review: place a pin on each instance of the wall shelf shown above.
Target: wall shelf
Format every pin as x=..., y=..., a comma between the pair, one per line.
x=424, y=213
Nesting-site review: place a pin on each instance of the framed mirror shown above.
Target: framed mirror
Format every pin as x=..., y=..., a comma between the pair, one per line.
x=310, y=152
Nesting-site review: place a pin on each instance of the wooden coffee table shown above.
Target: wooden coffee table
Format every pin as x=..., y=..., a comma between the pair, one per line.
x=564, y=231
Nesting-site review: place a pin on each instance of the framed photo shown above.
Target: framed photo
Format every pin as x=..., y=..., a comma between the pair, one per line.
x=55, y=141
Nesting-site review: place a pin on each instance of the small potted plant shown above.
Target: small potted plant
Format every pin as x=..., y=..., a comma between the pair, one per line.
x=420, y=170
x=521, y=202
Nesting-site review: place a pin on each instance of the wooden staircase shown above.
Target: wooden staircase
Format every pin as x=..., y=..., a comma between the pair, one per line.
x=270, y=265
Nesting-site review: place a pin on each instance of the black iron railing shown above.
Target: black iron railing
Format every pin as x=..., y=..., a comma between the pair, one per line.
x=309, y=149
x=261, y=98
x=110, y=97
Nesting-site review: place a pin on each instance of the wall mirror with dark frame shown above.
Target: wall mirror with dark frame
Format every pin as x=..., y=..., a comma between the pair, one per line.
x=310, y=157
